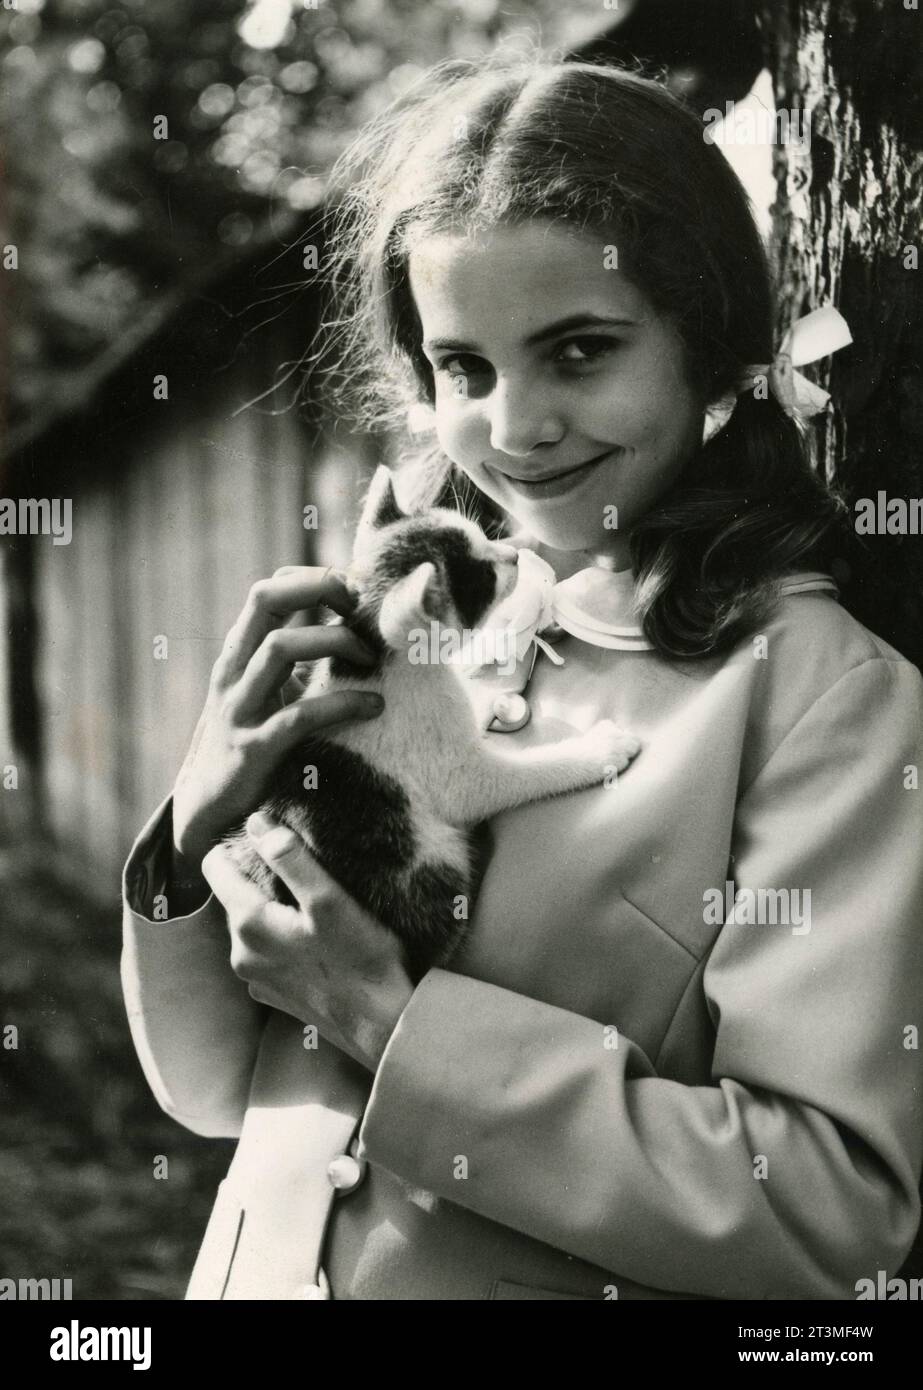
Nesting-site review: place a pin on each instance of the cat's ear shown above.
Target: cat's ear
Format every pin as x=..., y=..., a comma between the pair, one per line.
x=414, y=600
x=380, y=507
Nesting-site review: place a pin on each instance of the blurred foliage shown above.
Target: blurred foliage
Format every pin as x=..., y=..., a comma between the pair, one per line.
x=81, y=1131
x=258, y=100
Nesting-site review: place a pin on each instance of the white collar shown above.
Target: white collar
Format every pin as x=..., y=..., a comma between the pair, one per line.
x=596, y=605
x=599, y=606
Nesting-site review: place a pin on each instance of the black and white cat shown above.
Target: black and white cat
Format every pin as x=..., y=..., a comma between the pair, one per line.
x=397, y=798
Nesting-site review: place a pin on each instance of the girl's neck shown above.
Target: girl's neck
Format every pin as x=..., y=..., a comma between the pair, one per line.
x=568, y=562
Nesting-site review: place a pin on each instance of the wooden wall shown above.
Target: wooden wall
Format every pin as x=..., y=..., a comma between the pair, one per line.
x=6, y=723
x=188, y=509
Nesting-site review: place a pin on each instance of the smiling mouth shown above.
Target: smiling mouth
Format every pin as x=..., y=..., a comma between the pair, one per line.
x=553, y=483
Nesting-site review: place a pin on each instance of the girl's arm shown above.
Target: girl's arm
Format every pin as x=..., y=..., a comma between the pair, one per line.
x=195, y=1028
x=794, y=1174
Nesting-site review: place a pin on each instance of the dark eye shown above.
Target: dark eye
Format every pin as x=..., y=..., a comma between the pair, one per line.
x=462, y=364
x=580, y=350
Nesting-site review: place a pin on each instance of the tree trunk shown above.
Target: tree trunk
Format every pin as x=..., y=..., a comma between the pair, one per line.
x=847, y=231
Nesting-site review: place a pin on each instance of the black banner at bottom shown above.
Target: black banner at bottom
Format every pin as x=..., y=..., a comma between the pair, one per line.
x=162, y=1339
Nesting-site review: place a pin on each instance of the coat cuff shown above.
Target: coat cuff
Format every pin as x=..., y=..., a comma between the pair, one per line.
x=195, y=1028
x=146, y=875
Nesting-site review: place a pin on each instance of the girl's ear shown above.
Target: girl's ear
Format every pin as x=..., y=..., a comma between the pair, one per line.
x=413, y=601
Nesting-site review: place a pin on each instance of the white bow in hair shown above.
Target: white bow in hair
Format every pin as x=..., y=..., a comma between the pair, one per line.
x=817, y=335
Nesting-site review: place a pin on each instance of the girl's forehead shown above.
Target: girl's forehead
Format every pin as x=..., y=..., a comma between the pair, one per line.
x=517, y=275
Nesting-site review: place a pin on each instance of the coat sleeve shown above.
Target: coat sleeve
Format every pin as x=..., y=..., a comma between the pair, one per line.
x=194, y=1025
x=795, y=1172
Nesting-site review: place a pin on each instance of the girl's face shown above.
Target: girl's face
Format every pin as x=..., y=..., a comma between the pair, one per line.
x=560, y=391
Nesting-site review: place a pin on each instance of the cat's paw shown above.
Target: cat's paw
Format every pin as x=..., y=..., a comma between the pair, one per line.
x=611, y=745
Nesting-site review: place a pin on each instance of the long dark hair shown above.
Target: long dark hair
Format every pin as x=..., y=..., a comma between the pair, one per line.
x=602, y=149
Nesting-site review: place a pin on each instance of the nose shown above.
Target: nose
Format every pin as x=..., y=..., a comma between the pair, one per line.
x=520, y=419
x=506, y=554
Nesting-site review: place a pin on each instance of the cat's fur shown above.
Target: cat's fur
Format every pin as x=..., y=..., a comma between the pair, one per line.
x=399, y=796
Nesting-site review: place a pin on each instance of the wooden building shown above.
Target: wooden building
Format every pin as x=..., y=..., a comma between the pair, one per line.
x=181, y=499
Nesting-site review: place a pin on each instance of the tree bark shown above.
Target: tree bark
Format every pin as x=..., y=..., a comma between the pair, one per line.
x=847, y=231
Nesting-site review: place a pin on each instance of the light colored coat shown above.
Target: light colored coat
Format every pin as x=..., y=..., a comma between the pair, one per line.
x=610, y=1093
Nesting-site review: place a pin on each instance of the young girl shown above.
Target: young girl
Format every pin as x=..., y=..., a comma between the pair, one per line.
x=676, y=1055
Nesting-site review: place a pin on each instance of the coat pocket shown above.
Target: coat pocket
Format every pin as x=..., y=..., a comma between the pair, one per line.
x=215, y=1259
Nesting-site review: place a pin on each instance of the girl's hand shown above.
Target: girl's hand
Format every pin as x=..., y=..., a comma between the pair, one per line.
x=327, y=962
x=246, y=727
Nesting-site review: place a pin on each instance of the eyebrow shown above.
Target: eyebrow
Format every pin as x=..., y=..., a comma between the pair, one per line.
x=551, y=330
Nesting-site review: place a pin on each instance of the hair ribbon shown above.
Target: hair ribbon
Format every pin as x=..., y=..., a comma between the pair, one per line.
x=817, y=335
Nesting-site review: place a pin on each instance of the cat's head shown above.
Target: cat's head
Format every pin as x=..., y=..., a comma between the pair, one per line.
x=409, y=571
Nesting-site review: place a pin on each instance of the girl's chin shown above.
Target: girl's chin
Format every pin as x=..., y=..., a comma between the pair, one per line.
x=561, y=533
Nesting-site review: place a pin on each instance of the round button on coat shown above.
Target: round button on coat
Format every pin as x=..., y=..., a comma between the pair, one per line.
x=511, y=712
x=312, y=1291
x=321, y=1289
x=345, y=1172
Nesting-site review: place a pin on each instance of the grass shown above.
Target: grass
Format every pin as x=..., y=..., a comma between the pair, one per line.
x=81, y=1132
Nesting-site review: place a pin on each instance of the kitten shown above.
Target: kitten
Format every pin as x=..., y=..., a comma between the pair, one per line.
x=397, y=799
